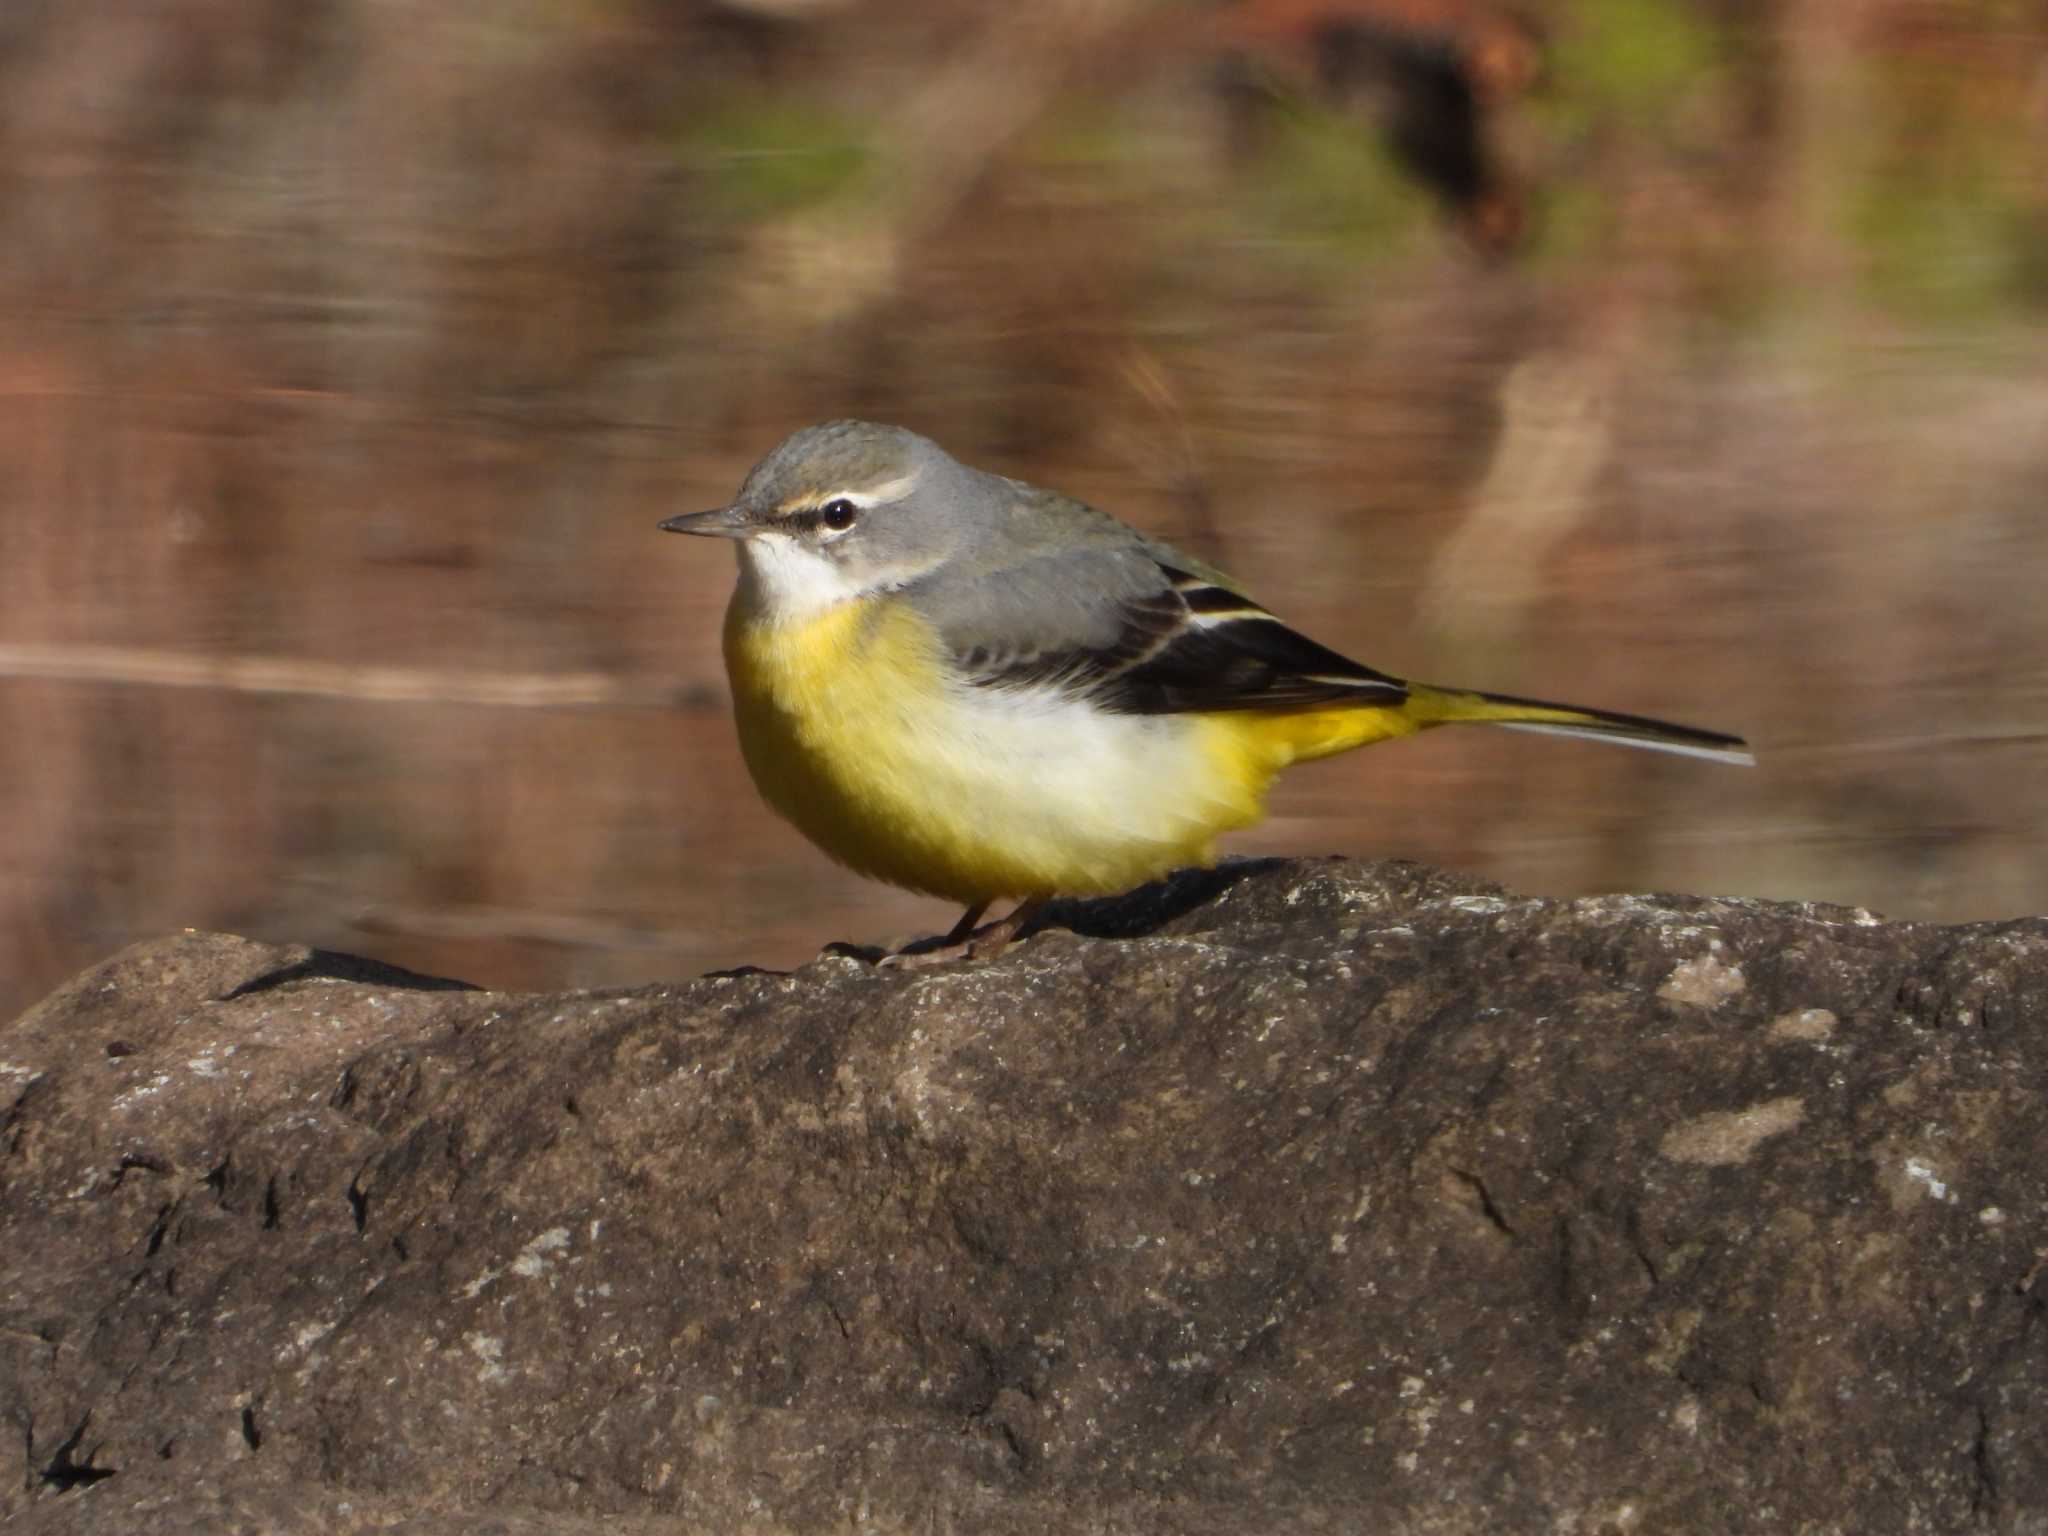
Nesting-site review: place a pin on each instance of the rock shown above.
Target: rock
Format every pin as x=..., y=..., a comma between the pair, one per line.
x=1293, y=1196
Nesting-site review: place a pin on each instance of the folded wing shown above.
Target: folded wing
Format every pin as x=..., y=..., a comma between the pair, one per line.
x=1186, y=646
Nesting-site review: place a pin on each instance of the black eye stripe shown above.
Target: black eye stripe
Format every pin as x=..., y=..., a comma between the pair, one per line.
x=838, y=514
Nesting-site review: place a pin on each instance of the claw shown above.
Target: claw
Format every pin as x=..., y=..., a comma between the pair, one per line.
x=966, y=942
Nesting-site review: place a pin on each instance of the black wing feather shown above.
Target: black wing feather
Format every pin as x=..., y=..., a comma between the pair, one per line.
x=1195, y=647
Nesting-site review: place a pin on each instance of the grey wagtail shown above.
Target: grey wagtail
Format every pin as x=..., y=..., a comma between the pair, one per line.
x=976, y=688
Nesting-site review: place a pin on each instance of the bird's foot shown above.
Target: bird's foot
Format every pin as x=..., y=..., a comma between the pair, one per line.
x=966, y=942
x=919, y=959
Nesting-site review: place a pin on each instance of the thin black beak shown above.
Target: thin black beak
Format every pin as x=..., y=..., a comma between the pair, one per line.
x=719, y=523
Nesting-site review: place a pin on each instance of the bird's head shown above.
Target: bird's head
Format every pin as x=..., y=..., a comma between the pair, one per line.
x=839, y=511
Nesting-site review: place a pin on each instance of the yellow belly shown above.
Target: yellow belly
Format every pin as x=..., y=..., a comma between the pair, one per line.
x=852, y=732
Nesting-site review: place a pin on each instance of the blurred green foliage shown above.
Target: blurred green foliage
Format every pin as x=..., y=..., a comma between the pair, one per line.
x=764, y=155
x=1326, y=189
x=1573, y=215
x=1632, y=64
x=1943, y=207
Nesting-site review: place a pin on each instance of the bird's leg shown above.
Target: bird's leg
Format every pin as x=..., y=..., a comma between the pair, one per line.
x=964, y=942
x=964, y=929
x=997, y=937
x=951, y=947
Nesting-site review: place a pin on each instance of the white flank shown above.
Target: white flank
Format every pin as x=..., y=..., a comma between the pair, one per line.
x=1053, y=774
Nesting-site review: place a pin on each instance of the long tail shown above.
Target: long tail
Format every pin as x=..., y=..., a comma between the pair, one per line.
x=1445, y=706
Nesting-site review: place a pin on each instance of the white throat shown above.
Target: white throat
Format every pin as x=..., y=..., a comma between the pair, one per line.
x=783, y=582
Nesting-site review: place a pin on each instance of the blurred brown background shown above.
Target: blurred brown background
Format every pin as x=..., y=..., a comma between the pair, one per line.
x=1681, y=356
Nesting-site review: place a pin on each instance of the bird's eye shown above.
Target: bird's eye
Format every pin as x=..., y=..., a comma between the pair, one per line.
x=838, y=515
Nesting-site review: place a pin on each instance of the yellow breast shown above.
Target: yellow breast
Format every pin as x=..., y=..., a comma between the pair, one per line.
x=854, y=732
x=822, y=708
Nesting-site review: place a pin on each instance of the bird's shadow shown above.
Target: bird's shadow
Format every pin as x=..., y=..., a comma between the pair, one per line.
x=1150, y=907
